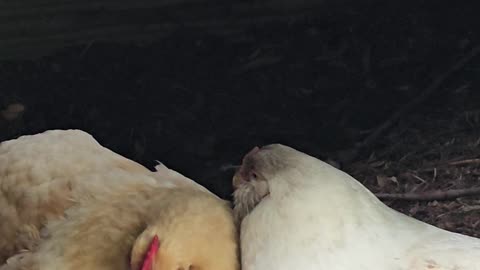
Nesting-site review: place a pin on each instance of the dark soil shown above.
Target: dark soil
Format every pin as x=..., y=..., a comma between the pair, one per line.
x=199, y=102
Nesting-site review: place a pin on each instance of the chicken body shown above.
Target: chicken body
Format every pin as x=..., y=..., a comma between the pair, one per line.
x=309, y=215
x=113, y=232
x=43, y=175
x=66, y=202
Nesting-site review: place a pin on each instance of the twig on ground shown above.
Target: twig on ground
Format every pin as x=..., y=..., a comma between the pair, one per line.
x=86, y=48
x=450, y=163
x=436, y=195
x=465, y=162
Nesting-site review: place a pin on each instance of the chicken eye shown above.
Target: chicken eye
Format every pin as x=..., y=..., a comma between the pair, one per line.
x=253, y=176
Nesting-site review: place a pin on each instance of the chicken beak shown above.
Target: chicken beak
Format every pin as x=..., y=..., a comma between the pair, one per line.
x=239, y=177
x=238, y=181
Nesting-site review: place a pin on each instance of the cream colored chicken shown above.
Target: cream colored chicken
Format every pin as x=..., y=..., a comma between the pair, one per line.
x=297, y=212
x=69, y=203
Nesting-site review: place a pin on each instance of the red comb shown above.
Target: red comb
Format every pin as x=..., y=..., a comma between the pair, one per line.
x=151, y=252
x=251, y=152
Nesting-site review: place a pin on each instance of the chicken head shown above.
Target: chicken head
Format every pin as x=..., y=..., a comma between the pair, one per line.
x=192, y=231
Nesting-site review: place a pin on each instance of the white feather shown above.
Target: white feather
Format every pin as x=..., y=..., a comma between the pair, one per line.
x=320, y=218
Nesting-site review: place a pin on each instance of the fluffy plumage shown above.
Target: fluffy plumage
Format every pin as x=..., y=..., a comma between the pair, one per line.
x=70, y=203
x=313, y=217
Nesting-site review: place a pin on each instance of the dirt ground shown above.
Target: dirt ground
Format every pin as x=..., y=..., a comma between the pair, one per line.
x=199, y=102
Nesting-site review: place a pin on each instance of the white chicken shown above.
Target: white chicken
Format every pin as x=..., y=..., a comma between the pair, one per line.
x=66, y=202
x=297, y=212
